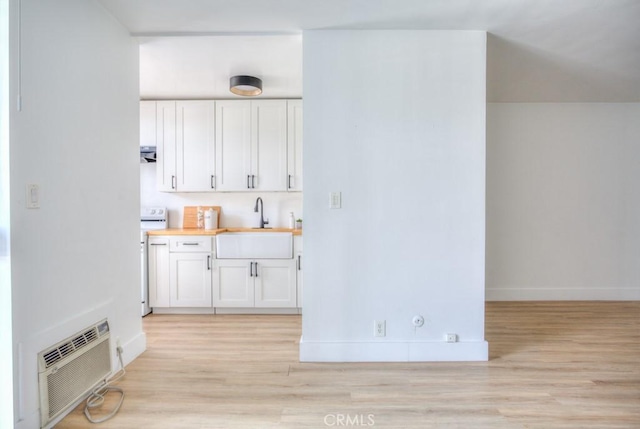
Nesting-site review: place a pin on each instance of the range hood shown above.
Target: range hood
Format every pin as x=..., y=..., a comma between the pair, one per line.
x=147, y=154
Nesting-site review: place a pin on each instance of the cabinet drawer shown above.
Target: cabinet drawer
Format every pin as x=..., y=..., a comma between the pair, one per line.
x=190, y=244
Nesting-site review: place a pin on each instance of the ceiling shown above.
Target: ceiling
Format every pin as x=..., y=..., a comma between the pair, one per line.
x=200, y=67
x=538, y=50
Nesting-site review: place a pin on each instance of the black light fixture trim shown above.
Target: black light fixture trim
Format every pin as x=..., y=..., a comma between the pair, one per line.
x=245, y=85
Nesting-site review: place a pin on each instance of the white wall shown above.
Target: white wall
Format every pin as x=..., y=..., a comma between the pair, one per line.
x=395, y=120
x=76, y=259
x=6, y=350
x=237, y=207
x=563, y=202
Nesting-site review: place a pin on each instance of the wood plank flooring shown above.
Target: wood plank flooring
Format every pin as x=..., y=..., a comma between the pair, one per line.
x=552, y=365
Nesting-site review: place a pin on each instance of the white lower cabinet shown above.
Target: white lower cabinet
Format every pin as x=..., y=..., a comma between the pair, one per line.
x=180, y=272
x=158, y=260
x=275, y=283
x=297, y=253
x=190, y=279
x=233, y=285
x=261, y=283
x=184, y=273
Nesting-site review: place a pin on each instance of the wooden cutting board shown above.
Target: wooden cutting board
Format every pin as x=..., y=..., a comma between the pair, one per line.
x=190, y=215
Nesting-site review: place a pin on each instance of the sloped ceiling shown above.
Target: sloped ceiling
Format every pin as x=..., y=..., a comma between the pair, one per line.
x=538, y=50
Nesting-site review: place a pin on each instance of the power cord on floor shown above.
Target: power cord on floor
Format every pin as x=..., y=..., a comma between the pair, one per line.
x=96, y=399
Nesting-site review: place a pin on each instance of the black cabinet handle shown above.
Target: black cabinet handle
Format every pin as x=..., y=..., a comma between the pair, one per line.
x=248, y=181
x=251, y=269
x=289, y=182
x=157, y=244
x=213, y=182
x=253, y=184
x=173, y=182
x=256, y=268
x=209, y=262
x=299, y=263
x=190, y=244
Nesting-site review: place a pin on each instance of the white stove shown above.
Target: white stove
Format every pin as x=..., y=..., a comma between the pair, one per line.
x=151, y=218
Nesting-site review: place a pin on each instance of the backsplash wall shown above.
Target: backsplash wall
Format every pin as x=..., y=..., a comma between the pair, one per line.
x=237, y=207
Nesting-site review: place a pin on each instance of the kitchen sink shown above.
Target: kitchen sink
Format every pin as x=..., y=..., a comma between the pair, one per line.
x=254, y=245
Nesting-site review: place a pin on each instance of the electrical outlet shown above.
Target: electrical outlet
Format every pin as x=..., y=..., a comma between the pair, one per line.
x=379, y=328
x=451, y=338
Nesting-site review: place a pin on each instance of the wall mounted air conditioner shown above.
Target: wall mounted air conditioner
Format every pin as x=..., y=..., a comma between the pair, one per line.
x=71, y=369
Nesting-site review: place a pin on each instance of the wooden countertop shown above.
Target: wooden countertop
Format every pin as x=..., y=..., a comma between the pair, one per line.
x=197, y=231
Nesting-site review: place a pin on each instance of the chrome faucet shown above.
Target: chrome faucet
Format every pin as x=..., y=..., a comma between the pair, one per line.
x=255, y=209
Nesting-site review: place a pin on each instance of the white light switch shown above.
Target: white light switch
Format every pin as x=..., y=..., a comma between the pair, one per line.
x=335, y=200
x=33, y=196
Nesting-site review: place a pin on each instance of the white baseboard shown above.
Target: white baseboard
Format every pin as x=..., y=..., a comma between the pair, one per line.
x=227, y=310
x=183, y=310
x=134, y=348
x=230, y=310
x=435, y=351
x=30, y=421
x=562, y=294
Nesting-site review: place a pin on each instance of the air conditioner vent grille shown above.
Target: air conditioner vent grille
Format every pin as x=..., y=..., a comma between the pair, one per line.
x=55, y=355
x=66, y=349
x=52, y=357
x=69, y=370
x=72, y=379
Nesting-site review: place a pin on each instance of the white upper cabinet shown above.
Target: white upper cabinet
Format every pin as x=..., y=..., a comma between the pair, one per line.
x=166, y=146
x=147, y=123
x=225, y=145
x=195, y=149
x=294, y=145
x=251, y=145
x=268, y=145
x=185, y=136
x=233, y=145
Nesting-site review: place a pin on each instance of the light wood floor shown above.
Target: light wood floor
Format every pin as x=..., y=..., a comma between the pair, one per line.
x=552, y=365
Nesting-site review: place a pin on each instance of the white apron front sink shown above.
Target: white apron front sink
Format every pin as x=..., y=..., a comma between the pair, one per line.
x=254, y=245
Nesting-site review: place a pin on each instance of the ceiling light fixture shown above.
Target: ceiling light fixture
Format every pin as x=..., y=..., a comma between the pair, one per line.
x=245, y=85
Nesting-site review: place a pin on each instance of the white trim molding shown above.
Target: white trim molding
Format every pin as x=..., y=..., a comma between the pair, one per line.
x=367, y=351
x=562, y=294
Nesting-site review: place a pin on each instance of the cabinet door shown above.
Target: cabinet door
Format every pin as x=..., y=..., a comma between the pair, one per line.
x=269, y=144
x=190, y=279
x=294, y=145
x=195, y=156
x=166, y=146
x=233, y=283
x=297, y=253
x=275, y=283
x=233, y=145
x=299, y=279
x=147, y=123
x=158, y=260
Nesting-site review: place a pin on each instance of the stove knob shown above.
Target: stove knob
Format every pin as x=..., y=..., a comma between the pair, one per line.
x=153, y=211
x=160, y=211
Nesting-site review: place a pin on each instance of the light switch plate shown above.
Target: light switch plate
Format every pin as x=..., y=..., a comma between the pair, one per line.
x=335, y=200
x=33, y=196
